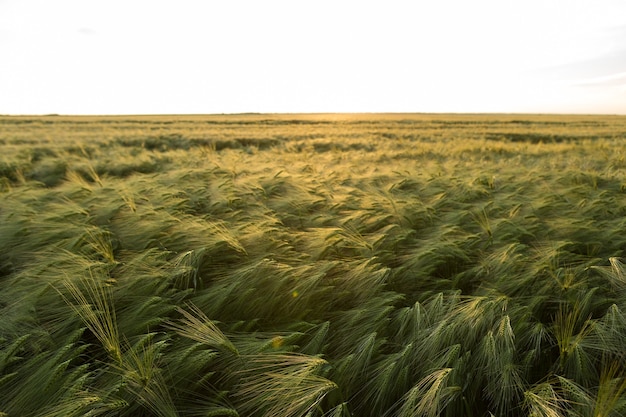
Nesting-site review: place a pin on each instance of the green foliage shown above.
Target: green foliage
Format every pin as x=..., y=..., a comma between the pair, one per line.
x=313, y=265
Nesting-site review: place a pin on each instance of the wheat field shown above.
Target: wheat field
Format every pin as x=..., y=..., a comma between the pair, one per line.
x=313, y=265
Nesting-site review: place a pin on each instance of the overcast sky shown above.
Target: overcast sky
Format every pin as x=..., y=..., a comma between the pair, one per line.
x=184, y=56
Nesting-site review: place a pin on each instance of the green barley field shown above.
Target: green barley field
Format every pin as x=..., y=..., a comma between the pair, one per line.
x=313, y=265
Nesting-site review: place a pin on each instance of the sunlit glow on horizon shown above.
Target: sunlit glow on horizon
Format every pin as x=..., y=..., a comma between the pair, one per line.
x=157, y=57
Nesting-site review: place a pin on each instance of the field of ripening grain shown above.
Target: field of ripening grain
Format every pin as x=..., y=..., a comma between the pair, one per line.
x=313, y=265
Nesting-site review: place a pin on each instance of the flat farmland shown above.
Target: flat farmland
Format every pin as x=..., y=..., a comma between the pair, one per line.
x=313, y=265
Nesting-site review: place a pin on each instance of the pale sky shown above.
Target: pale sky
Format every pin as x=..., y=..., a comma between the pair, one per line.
x=192, y=56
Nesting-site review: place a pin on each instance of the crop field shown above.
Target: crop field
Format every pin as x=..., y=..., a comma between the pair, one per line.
x=313, y=265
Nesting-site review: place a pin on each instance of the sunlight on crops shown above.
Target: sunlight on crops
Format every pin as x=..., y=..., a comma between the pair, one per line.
x=313, y=265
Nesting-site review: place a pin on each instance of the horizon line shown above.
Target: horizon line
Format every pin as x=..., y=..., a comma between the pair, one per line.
x=306, y=113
